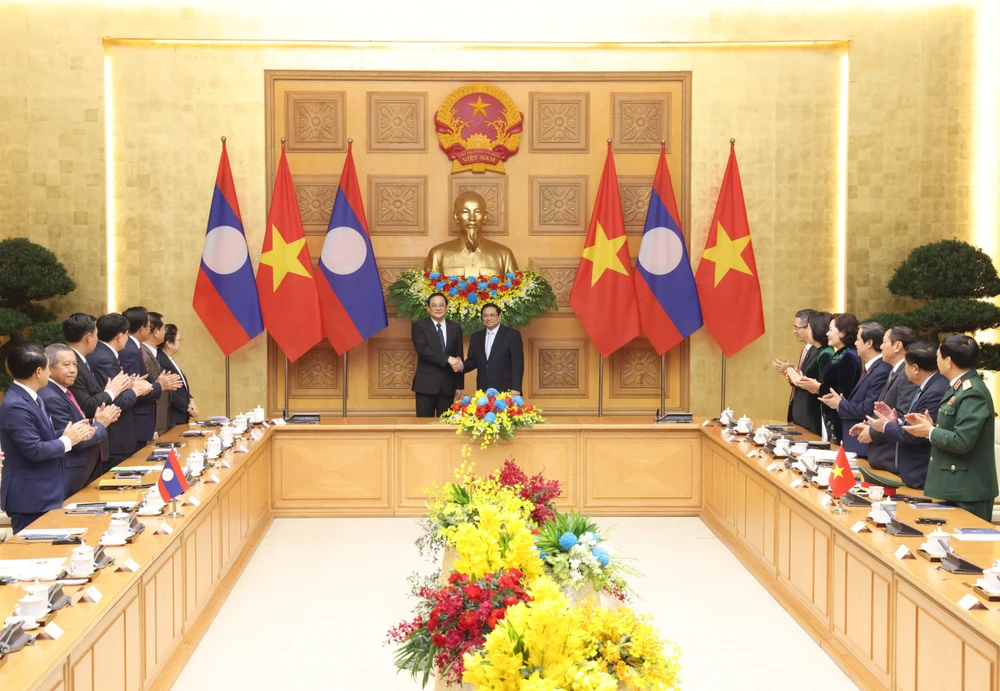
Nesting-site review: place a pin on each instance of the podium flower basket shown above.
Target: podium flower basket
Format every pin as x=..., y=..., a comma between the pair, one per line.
x=490, y=416
x=521, y=295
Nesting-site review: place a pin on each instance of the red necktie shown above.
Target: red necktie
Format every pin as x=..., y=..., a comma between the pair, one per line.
x=802, y=361
x=72, y=399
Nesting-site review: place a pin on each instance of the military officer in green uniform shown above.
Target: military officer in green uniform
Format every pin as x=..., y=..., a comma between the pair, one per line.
x=962, y=469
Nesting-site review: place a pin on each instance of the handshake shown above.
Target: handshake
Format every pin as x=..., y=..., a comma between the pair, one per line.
x=457, y=365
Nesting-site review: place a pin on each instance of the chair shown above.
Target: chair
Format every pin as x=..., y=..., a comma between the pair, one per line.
x=996, y=455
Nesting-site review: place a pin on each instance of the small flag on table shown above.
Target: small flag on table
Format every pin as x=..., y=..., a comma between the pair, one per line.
x=841, y=479
x=172, y=481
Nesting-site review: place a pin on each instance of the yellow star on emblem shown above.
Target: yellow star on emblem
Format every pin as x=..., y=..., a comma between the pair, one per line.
x=727, y=254
x=604, y=254
x=480, y=107
x=838, y=471
x=283, y=258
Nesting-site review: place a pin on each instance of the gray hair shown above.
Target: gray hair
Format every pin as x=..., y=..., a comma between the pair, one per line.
x=52, y=352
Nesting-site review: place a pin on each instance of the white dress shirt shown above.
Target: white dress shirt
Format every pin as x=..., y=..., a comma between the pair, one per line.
x=490, y=336
x=444, y=329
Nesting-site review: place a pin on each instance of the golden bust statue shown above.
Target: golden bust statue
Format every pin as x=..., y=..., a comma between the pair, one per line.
x=470, y=254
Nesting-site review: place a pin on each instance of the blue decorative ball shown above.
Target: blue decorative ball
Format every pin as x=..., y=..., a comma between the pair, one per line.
x=461, y=285
x=543, y=555
x=501, y=405
x=510, y=274
x=465, y=400
x=482, y=401
x=493, y=293
x=453, y=292
x=453, y=278
x=518, y=401
x=508, y=284
x=490, y=418
x=439, y=285
x=567, y=541
x=602, y=556
x=470, y=279
x=435, y=275
x=491, y=391
x=481, y=285
x=473, y=299
x=494, y=281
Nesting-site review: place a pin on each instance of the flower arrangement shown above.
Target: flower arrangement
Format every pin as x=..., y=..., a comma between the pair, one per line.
x=630, y=648
x=536, y=489
x=453, y=620
x=491, y=415
x=521, y=295
x=575, y=555
x=496, y=540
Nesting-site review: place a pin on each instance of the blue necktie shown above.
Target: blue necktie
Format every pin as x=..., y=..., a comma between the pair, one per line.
x=41, y=406
x=441, y=338
x=914, y=401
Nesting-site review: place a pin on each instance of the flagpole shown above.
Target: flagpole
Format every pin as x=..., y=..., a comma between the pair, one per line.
x=600, y=386
x=723, y=381
x=227, y=386
x=285, y=411
x=344, y=404
x=663, y=383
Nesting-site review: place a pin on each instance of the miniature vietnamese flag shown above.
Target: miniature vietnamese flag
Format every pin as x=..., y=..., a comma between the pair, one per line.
x=841, y=479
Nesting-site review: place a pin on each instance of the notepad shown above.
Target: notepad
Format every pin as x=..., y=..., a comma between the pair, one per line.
x=977, y=534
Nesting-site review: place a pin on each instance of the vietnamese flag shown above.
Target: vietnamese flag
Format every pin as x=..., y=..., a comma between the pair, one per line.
x=841, y=479
x=289, y=302
x=728, y=286
x=603, y=294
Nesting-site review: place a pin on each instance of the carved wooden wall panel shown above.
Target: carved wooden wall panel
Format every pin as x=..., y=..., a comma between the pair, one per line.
x=397, y=204
x=559, y=205
x=392, y=363
x=635, y=371
x=317, y=374
x=316, y=121
x=640, y=122
x=397, y=122
x=492, y=188
x=558, y=367
x=635, y=193
x=315, y=194
x=389, y=269
x=560, y=122
x=560, y=272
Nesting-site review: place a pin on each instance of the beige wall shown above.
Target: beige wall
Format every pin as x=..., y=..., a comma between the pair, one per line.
x=910, y=127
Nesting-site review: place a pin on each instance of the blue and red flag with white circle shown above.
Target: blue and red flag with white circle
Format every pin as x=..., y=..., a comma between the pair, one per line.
x=172, y=481
x=669, y=309
x=225, y=293
x=351, y=301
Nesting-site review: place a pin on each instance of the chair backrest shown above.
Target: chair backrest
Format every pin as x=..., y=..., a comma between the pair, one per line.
x=996, y=455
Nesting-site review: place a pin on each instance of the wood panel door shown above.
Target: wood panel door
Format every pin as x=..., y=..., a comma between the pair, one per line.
x=163, y=608
x=111, y=658
x=756, y=516
x=804, y=558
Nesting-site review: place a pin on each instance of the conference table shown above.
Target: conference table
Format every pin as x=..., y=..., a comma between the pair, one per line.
x=889, y=622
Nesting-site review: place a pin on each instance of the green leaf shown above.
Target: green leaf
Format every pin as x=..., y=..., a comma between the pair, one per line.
x=46, y=334
x=30, y=272
x=12, y=320
x=956, y=315
x=946, y=269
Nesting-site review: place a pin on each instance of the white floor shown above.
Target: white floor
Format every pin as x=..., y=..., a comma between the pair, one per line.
x=312, y=607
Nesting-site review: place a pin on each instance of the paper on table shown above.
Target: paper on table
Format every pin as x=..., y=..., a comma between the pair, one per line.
x=976, y=537
x=124, y=505
x=825, y=455
x=32, y=569
x=138, y=468
x=63, y=532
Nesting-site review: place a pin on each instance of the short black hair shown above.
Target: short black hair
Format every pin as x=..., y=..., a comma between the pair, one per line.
x=25, y=360
x=923, y=355
x=494, y=306
x=155, y=321
x=872, y=331
x=110, y=326
x=169, y=335
x=847, y=324
x=77, y=326
x=804, y=315
x=963, y=350
x=819, y=324
x=902, y=334
x=137, y=317
x=435, y=295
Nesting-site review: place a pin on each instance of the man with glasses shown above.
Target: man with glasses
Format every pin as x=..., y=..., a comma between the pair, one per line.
x=800, y=328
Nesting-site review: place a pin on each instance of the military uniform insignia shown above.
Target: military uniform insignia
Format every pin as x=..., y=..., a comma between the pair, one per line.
x=479, y=127
x=967, y=385
x=951, y=401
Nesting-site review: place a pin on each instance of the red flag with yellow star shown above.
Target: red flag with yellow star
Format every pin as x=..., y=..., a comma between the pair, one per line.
x=603, y=295
x=842, y=478
x=728, y=286
x=289, y=302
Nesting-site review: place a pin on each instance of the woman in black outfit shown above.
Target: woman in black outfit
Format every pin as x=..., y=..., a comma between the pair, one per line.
x=182, y=406
x=841, y=374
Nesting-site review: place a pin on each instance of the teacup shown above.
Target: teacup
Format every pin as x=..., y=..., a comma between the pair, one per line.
x=876, y=492
x=32, y=606
x=782, y=447
x=240, y=423
x=213, y=447
x=258, y=415
x=800, y=447
x=938, y=540
x=119, y=526
x=759, y=437
x=726, y=417
x=196, y=464
x=744, y=425
x=823, y=476
x=991, y=579
x=227, y=433
x=82, y=561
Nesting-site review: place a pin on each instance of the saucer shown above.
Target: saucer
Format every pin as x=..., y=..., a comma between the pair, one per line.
x=939, y=555
x=87, y=574
x=27, y=623
x=113, y=540
x=989, y=591
x=150, y=512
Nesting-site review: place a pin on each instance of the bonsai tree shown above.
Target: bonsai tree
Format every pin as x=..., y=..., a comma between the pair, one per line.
x=953, y=278
x=28, y=273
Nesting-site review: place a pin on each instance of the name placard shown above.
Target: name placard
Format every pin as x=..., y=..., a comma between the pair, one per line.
x=164, y=528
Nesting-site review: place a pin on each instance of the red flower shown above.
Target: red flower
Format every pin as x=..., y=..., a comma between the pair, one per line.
x=427, y=274
x=516, y=282
x=458, y=578
x=433, y=620
x=502, y=288
x=466, y=621
x=474, y=592
x=484, y=295
x=519, y=274
x=457, y=407
x=439, y=640
x=510, y=601
x=481, y=411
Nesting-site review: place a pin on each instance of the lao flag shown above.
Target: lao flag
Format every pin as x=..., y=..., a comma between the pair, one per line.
x=172, y=481
x=350, y=290
x=664, y=283
x=225, y=293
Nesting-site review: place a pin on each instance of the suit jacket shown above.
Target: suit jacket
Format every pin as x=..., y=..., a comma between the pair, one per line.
x=503, y=370
x=914, y=453
x=897, y=394
x=82, y=460
x=90, y=396
x=31, y=480
x=145, y=406
x=962, y=464
x=434, y=375
x=806, y=406
x=121, y=434
x=179, y=398
x=163, y=402
x=810, y=355
x=861, y=403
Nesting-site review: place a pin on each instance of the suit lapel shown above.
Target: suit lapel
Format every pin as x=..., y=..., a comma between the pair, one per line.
x=888, y=384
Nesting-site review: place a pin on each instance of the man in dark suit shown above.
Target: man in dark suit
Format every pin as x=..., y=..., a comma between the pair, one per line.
x=962, y=467
x=182, y=404
x=112, y=332
x=801, y=329
x=31, y=480
x=80, y=332
x=82, y=462
x=438, y=342
x=861, y=403
x=896, y=393
x=133, y=363
x=497, y=354
x=913, y=453
x=155, y=337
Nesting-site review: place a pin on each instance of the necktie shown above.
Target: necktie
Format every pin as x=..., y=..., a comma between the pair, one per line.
x=72, y=398
x=914, y=401
x=441, y=338
x=41, y=406
x=489, y=343
x=802, y=362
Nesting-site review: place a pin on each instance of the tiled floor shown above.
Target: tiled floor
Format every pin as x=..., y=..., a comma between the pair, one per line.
x=312, y=607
